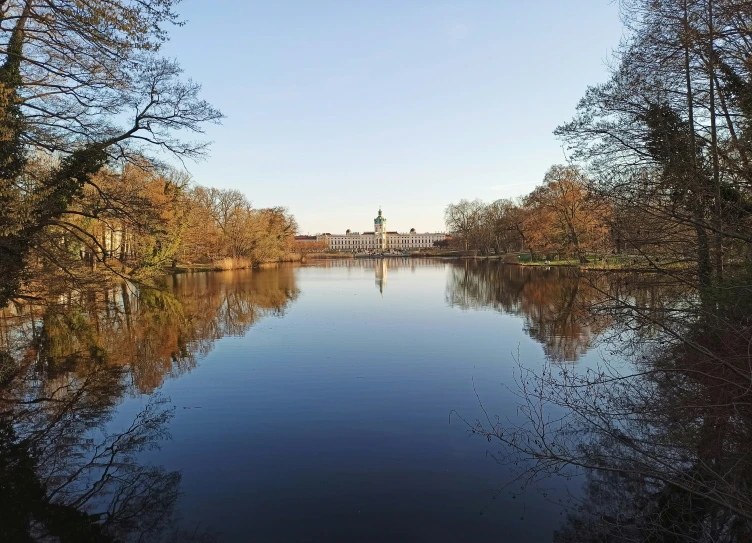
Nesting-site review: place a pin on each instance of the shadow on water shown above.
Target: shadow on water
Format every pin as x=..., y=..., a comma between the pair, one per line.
x=64, y=369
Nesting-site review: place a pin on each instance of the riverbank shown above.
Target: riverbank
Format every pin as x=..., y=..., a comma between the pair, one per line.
x=612, y=263
x=229, y=264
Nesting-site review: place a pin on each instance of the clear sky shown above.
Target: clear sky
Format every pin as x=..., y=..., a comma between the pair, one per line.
x=336, y=107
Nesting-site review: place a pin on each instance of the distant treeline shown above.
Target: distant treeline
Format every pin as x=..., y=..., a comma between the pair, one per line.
x=562, y=217
x=139, y=219
x=149, y=220
x=576, y=216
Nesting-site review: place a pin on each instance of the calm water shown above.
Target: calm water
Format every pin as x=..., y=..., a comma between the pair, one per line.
x=310, y=403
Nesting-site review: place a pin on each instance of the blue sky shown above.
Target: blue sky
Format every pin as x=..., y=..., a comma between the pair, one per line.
x=336, y=107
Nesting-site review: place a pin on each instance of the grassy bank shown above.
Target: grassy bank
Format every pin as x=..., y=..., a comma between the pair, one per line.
x=613, y=262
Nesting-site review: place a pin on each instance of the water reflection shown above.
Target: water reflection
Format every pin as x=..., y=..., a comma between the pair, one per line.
x=381, y=274
x=662, y=436
x=301, y=428
x=381, y=266
x=64, y=477
x=554, y=303
x=64, y=369
x=563, y=310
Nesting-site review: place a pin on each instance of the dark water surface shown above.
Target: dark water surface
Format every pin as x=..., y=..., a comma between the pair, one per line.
x=304, y=403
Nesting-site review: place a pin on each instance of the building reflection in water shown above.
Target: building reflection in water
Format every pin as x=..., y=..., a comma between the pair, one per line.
x=381, y=272
x=380, y=266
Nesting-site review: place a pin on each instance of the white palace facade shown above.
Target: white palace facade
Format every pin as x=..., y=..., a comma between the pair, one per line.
x=380, y=240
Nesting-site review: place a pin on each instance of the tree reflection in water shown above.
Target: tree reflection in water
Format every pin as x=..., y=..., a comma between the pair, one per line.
x=562, y=309
x=554, y=303
x=663, y=434
x=64, y=368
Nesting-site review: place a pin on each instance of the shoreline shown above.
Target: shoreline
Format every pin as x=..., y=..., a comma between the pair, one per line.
x=454, y=255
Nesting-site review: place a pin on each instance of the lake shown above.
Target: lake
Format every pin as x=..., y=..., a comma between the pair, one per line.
x=322, y=402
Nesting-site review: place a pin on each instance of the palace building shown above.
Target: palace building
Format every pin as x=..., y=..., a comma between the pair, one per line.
x=378, y=241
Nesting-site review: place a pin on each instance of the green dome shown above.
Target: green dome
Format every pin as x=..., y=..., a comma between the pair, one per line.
x=380, y=219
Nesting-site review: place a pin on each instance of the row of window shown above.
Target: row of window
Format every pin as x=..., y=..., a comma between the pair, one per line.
x=388, y=239
x=347, y=243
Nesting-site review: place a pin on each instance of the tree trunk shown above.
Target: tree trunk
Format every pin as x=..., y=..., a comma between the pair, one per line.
x=704, y=267
x=718, y=219
x=122, y=246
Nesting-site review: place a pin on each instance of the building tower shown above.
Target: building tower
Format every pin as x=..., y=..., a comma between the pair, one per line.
x=379, y=231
